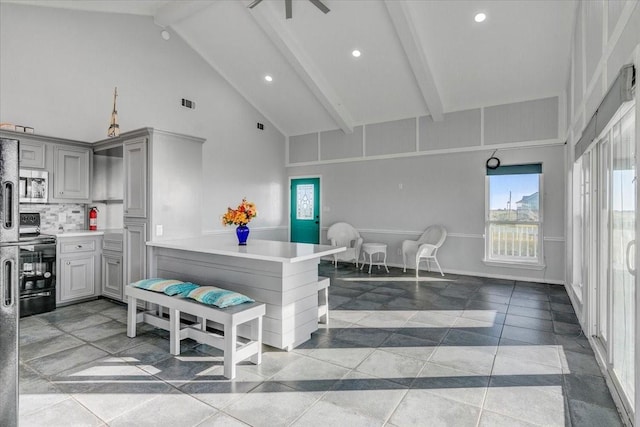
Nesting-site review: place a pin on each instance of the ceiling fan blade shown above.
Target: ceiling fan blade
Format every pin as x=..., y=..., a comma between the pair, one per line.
x=254, y=4
x=288, y=9
x=320, y=5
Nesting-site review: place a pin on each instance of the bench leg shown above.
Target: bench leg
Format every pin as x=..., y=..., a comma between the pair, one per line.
x=326, y=301
x=174, y=331
x=230, y=342
x=256, y=335
x=131, y=317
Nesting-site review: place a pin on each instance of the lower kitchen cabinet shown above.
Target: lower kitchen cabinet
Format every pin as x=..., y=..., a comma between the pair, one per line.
x=112, y=275
x=135, y=250
x=78, y=268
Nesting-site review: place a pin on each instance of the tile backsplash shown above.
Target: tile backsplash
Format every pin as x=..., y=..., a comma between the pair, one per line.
x=58, y=217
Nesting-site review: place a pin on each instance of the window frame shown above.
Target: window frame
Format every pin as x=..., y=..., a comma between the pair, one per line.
x=537, y=264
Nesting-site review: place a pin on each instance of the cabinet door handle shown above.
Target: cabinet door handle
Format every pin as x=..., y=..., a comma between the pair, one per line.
x=68, y=262
x=79, y=247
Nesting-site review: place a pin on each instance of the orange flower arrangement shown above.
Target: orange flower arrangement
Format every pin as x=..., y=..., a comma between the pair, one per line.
x=244, y=213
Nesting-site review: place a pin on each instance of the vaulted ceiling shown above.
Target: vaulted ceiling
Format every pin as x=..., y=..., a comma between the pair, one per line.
x=418, y=56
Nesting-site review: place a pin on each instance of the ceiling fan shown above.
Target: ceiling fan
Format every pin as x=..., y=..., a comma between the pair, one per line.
x=288, y=6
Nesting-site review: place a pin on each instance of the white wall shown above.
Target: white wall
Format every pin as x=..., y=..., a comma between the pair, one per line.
x=447, y=189
x=58, y=69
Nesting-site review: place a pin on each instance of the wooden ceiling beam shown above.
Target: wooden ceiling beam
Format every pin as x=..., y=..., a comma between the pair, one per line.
x=405, y=27
x=305, y=68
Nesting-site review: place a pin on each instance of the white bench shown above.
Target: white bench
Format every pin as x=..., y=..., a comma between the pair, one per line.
x=234, y=351
x=323, y=300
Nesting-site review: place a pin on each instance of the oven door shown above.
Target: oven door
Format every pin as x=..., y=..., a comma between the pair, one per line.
x=37, y=281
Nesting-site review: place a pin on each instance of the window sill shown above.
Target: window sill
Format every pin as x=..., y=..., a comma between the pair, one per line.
x=514, y=264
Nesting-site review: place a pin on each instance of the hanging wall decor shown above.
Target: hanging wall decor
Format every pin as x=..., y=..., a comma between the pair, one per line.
x=114, y=127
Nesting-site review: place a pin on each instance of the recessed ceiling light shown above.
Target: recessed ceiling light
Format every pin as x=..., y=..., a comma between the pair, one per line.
x=268, y=78
x=480, y=17
x=356, y=53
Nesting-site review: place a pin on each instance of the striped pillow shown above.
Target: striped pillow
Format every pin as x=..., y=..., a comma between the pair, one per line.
x=168, y=286
x=221, y=298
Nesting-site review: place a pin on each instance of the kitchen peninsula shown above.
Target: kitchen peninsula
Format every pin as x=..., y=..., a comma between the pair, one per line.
x=282, y=275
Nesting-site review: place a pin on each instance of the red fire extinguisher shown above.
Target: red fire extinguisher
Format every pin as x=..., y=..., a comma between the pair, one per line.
x=93, y=218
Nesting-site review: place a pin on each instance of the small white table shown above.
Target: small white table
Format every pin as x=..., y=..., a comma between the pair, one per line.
x=373, y=249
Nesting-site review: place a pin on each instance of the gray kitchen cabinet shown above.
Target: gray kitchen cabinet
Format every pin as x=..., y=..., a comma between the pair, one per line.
x=135, y=178
x=135, y=250
x=71, y=174
x=32, y=154
x=78, y=268
x=112, y=275
x=112, y=261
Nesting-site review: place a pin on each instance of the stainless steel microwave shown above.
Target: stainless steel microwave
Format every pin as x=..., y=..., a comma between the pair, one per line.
x=34, y=186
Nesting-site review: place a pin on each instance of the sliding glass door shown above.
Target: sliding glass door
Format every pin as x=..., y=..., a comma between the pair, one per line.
x=622, y=237
x=614, y=285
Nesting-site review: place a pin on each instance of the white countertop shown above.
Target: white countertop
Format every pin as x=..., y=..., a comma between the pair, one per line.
x=85, y=233
x=266, y=250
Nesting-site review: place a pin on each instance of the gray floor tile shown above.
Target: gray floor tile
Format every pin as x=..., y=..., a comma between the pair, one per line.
x=65, y=413
x=368, y=395
x=48, y=346
x=222, y=420
x=492, y=419
x=406, y=345
x=38, y=394
x=425, y=332
x=531, y=336
x=309, y=374
x=181, y=369
x=477, y=359
x=345, y=357
x=434, y=318
x=544, y=354
x=589, y=389
x=272, y=404
x=462, y=386
x=325, y=413
x=529, y=322
x=537, y=405
x=391, y=366
x=579, y=363
x=386, y=319
x=74, y=324
x=166, y=410
x=219, y=393
x=37, y=332
x=465, y=338
x=100, y=331
x=588, y=415
x=363, y=337
x=529, y=312
x=66, y=359
x=526, y=373
x=420, y=407
x=530, y=303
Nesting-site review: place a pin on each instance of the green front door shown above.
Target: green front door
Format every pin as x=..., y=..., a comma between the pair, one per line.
x=305, y=210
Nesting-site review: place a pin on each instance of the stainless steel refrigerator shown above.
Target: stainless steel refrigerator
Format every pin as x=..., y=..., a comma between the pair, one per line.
x=9, y=296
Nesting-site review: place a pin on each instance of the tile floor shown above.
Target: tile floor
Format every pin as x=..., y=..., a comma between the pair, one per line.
x=452, y=351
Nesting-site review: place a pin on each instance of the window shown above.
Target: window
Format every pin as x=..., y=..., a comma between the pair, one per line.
x=513, y=233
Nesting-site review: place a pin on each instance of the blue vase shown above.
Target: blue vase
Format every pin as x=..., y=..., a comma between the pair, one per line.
x=243, y=233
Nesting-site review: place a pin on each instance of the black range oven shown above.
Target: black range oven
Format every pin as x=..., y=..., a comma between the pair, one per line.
x=37, y=267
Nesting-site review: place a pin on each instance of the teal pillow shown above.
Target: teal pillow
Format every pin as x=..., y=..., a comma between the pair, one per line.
x=219, y=297
x=168, y=286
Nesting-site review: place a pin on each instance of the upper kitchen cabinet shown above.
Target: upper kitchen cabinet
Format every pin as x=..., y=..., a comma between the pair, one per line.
x=71, y=174
x=32, y=154
x=108, y=174
x=135, y=177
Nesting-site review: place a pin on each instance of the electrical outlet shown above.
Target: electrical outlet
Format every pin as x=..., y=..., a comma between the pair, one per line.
x=62, y=217
x=159, y=230
x=399, y=252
